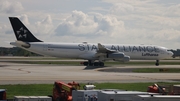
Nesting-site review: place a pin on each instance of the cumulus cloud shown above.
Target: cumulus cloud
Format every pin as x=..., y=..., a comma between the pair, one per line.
x=78, y=23
x=115, y=21
x=167, y=21
x=81, y=24
x=5, y=29
x=169, y=34
x=10, y=7
x=147, y=20
x=122, y=8
x=24, y=19
x=45, y=26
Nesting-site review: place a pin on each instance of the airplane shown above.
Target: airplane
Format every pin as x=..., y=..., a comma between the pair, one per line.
x=95, y=53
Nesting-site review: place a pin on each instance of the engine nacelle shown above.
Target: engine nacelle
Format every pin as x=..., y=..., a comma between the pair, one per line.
x=126, y=58
x=115, y=55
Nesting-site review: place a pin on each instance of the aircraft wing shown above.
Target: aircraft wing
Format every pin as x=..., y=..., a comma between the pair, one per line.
x=102, y=49
x=104, y=53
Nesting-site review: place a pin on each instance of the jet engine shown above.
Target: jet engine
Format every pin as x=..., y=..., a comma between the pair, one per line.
x=126, y=58
x=119, y=57
x=115, y=55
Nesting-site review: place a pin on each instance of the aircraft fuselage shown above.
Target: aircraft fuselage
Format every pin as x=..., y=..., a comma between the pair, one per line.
x=79, y=50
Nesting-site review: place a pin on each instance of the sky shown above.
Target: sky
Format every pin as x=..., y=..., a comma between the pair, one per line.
x=148, y=22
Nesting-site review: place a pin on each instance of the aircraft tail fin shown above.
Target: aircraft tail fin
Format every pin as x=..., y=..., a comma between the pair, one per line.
x=21, y=32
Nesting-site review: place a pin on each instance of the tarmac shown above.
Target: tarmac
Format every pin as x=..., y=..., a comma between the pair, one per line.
x=16, y=73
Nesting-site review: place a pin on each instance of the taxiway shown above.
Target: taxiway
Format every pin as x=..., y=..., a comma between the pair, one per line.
x=15, y=73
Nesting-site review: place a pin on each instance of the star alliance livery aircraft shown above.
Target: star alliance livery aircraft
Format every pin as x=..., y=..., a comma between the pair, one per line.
x=95, y=53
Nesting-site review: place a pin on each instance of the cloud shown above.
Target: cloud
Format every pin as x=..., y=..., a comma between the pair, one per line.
x=78, y=23
x=106, y=21
x=166, y=21
x=173, y=10
x=5, y=29
x=10, y=7
x=46, y=21
x=45, y=26
x=24, y=19
x=169, y=34
x=92, y=25
x=42, y=27
x=122, y=8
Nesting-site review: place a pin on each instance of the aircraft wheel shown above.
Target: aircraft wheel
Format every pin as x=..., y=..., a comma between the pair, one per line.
x=157, y=63
x=96, y=63
x=85, y=63
x=101, y=63
x=90, y=64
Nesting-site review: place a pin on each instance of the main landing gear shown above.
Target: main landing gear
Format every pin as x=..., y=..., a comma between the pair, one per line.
x=157, y=63
x=90, y=63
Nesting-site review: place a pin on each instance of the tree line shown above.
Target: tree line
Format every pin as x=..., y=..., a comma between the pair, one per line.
x=15, y=51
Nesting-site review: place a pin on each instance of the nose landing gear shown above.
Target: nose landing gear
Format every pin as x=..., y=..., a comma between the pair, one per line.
x=157, y=63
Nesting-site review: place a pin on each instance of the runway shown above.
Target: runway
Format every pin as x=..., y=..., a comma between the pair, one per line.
x=15, y=73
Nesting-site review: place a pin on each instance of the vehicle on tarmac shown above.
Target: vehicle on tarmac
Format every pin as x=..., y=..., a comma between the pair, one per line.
x=63, y=91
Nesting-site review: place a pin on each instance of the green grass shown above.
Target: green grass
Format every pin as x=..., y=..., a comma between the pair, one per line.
x=46, y=89
x=130, y=86
x=27, y=90
x=157, y=70
x=124, y=86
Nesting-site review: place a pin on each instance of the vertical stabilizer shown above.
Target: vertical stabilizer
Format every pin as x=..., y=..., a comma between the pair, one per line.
x=21, y=32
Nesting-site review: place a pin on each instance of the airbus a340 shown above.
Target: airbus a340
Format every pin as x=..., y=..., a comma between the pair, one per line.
x=95, y=53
